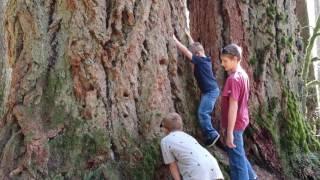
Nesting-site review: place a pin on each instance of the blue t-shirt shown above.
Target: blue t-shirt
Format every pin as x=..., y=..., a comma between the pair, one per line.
x=204, y=74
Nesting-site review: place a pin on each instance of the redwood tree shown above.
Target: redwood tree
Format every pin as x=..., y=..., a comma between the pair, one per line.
x=84, y=84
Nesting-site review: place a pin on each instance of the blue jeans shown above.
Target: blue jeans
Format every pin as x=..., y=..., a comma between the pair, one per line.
x=240, y=167
x=205, y=109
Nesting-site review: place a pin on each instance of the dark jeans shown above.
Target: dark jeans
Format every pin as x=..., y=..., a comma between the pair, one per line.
x=240, y=167
x=205, y=109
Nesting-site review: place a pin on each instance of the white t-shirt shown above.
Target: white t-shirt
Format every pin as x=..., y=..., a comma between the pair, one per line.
x=194, y=161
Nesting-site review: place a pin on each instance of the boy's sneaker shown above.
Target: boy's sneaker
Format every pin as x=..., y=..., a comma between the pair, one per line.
x=211, y=142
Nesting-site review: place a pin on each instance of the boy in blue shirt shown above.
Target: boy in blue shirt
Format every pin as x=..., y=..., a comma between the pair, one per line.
x=208, y=85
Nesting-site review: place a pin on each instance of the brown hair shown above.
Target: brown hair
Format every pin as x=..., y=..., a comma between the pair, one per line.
x=172, y=122
x=232, y=50
x=196, y=47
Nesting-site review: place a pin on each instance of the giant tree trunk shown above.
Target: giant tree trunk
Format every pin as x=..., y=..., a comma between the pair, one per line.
x=84, y=84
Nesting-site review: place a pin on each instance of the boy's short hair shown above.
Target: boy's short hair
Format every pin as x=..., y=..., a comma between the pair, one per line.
x=233, y=50
x=196, y=47
x=172, y=122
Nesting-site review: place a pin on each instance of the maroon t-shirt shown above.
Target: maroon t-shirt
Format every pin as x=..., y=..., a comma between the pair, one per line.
x=237, y=87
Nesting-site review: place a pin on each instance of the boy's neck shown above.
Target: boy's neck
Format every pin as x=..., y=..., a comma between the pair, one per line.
x=235, y=68
x=176, y=130
x=202, y=55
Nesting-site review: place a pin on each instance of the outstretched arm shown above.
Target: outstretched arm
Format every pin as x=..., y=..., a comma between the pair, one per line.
x=183, y=48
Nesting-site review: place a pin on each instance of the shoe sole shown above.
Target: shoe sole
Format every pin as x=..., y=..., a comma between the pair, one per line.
x=214, y=141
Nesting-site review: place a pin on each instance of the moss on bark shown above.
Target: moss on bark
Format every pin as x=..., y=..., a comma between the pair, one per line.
x=150, y=162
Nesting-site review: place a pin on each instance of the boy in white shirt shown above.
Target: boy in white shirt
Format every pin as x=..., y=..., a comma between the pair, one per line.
x=184, y=155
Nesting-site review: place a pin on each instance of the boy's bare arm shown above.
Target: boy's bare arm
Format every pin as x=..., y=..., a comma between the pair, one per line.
x=174, y=171
x=232, y=116
x=183, y=48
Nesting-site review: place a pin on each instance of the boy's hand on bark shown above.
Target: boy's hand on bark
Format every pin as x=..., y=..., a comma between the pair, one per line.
x=174, y=38
x=187, y=32
x=189, y=36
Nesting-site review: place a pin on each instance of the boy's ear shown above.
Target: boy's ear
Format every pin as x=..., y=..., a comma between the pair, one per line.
x=235, y=58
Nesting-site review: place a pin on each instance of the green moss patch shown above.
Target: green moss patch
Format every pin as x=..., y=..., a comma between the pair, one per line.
x=271, y=11
x=151, y=158
x=76, y=146
x=297, y=142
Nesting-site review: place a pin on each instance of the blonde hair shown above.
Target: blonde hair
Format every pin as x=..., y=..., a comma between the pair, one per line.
x=172, y=122
x=196, y=47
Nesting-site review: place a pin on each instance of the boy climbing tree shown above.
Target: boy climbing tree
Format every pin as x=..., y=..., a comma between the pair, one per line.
x=208, y=85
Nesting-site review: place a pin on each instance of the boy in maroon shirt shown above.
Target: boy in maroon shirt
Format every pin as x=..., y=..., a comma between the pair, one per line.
x=235, y=117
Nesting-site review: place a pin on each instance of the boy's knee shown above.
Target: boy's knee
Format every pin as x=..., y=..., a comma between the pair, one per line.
x=201, y=113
